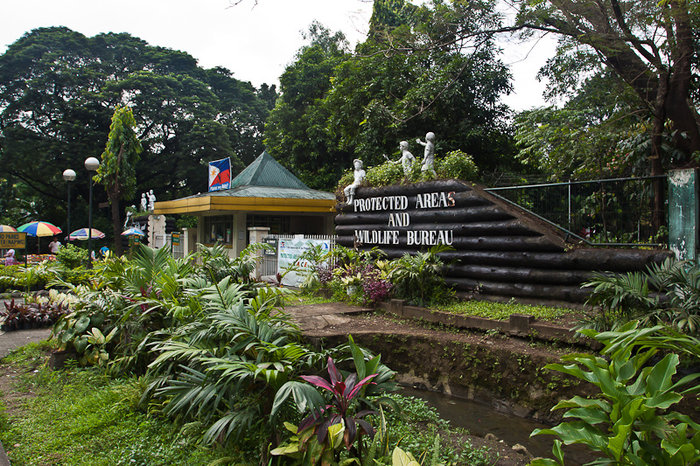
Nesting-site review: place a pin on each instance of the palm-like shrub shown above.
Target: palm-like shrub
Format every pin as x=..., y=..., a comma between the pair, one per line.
x=619, y=298
x=418, y=278
x=218, y=351
x=667, y=292
x=225, y=368
x=217, y=263
x=680, y=280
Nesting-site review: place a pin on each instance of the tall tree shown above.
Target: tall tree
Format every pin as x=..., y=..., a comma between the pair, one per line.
x=295, y=132
x=337, y=106
x=57, y=92
x=117, y=172
x=649, y=44
x=652, y=46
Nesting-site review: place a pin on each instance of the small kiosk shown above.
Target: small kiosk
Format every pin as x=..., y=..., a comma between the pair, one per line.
x=265, y=198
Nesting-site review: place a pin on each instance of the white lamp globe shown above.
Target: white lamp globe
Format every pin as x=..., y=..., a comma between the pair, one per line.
x=91, y=163
x=68, y=174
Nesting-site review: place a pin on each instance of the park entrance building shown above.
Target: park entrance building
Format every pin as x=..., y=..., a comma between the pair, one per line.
x=264, y=198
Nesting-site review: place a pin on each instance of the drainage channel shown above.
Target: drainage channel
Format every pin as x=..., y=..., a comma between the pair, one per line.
x=480, y=419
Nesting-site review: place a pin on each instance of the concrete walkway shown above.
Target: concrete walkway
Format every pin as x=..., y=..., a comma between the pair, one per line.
x=9, y=341
x=317, y=317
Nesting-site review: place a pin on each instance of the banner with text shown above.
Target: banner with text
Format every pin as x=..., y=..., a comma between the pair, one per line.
x=288, y=253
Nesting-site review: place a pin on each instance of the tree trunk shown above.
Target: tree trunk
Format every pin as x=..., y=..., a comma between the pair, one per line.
x=657, y=218
x=116, y=222
x=677, y=102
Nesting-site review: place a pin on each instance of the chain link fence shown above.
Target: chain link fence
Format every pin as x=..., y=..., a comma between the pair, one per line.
x=617, y=211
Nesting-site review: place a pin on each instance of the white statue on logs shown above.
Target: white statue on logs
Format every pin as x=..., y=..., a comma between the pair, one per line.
x=359, y=176
x=151, y=200
x=428, y=153
x=129, y=213
x=144, y=202
x=407, y=159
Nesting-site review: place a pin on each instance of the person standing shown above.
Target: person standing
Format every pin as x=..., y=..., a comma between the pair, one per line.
x=10, y=258
x=54, y=245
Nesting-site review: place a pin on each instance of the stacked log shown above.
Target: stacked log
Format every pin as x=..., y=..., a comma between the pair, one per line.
x=499, y=249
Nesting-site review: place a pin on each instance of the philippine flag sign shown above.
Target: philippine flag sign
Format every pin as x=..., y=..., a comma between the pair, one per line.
x=220, y=174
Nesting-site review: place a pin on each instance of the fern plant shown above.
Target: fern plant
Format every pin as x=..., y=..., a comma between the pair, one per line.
x=418, y=278
x=668, y=292
x=225, y=368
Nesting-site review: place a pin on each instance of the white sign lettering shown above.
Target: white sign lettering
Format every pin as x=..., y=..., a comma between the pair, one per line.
x=399, y=220
x=377, y=236
x=403, y=219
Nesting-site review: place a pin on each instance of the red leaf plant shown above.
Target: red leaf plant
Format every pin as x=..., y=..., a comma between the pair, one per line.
x=344, y=391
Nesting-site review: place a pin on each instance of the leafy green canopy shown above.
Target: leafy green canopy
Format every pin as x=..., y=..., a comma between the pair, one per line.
x=649, y=46
x=336, y=106
x=591, y=136
x=117, y=172
x=58, y=90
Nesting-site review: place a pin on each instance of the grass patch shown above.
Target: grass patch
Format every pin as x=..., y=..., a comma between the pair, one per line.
x=31, y=354
x=502, y=311
x=83, y=417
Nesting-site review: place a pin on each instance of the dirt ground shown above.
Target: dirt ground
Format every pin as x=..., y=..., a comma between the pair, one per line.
x=337, y=319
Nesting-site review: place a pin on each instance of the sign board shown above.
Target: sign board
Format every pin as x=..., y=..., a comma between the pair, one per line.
x=401, y=228
x=13, y=240
x=683, y=213
x=272, y=242
x=175, y=238
x=288, y=253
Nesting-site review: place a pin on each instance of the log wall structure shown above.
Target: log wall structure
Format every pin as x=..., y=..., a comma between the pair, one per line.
x=500, y=251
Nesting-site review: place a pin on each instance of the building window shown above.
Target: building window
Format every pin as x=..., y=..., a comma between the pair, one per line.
x=218, y=229
x=278, y=224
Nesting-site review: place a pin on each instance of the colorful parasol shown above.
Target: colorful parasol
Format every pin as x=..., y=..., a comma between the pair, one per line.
x=40, y=229
x=83, y=233
x=133, y=232
x=6, y=228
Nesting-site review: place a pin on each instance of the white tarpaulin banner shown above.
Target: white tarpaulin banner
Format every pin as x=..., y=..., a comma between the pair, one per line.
x=288, y=254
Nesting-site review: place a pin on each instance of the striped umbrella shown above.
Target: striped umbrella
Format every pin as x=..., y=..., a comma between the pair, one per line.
x=40, y=229
x=83, y=234
x=133, y=232
x=6, y=228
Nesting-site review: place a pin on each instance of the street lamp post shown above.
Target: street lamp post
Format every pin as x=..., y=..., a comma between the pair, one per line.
x=68, y=176
x=91, y=164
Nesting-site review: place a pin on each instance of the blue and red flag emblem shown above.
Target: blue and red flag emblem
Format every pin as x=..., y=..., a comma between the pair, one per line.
x=220, y=174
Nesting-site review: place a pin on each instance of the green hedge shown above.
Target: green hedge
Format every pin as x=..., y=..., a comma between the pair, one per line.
x=455, y=165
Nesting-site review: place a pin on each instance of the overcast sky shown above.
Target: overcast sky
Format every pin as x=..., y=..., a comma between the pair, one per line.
x=255, y=42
